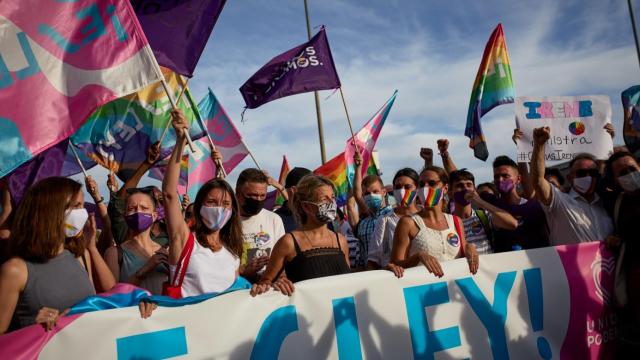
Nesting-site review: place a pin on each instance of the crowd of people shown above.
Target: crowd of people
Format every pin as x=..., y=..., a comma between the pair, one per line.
x=54, y=256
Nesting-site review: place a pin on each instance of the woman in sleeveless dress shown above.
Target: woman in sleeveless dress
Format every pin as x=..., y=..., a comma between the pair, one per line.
x=312, y=250
x=43, y=279
x=139, y=260
x=430, y=236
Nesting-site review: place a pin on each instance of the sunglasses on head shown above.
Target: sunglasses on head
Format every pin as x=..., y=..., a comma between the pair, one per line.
x=587, y=172
x=628, y=170
x=430, y=183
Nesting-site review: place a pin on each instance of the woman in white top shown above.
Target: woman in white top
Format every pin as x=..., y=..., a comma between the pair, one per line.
x=216, y=234
x=430, y=236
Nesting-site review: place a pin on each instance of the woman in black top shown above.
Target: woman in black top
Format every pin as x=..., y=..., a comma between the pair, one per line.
x=312, y=250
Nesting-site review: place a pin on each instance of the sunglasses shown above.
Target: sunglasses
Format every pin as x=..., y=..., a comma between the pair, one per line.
x=430, y=183
x=626, y=171
x=587, y=172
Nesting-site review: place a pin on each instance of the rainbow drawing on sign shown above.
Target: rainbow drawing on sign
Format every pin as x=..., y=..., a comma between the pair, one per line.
x=576, y=128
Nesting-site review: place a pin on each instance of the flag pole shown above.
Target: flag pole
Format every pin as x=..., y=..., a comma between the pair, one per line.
x=75, y=154
x=353, y=137
x=166, y=128
x=175, y=107
x=635, y=30
x=323, y=155
x=251, y=154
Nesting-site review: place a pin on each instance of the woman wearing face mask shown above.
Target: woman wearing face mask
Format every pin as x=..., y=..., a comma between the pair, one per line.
x=206, y=257
x=139, y=260
x=405, y=183
x=312, y=250
x=430, y=236
x=43, y=280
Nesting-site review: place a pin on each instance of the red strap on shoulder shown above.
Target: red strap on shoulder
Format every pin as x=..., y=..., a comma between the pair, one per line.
x=183, y=262
x=460, y=230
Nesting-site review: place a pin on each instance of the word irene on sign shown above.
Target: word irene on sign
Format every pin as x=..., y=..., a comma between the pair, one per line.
x=558, y=109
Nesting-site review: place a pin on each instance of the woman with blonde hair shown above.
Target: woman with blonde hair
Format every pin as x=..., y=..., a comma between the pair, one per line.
x=312, y=250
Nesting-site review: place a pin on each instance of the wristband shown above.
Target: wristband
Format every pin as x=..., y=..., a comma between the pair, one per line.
x=100, y=201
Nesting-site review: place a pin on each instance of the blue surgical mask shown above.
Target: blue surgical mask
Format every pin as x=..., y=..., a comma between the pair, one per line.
x=374, y=201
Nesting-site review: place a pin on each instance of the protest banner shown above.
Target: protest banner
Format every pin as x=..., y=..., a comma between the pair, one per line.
x=542, y=303
x=576, y=123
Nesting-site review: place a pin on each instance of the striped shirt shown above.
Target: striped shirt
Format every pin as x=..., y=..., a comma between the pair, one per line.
x=382, y=240
x=475, y=233
x=366, y=227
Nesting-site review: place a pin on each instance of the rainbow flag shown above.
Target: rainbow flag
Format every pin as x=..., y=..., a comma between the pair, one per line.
x=157, y=172
x=284, y=170
x=336, y=171
x=366, y=139
x=493, y=86
x=123, y=129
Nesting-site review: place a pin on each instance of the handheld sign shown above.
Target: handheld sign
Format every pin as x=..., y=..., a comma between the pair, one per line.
x=576, y=122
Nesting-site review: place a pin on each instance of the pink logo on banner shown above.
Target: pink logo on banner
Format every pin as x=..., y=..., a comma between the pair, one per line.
x=592, y=322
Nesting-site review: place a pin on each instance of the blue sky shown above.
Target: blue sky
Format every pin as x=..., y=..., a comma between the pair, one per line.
x=430, y=52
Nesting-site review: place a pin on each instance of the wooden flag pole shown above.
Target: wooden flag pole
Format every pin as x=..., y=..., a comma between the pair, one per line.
x=75, y=154
x=353, y=136
x=166, y=128
x=251, y=154
x=175, y=107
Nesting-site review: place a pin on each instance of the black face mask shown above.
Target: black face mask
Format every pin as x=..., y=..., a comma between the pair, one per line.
x=251, y=206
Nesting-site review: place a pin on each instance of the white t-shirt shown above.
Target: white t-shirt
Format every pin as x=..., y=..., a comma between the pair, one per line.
x=260, y=233
x=573, y=220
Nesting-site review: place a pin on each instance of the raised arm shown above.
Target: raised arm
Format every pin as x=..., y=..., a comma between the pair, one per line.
x=176, y=226
x=102, y=276
x=427, y=155
x=540, y=185
x=106, y=237
x=447, y=161
x=352, y=213
x=357, y=185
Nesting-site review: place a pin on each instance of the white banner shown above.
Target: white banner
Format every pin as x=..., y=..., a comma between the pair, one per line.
x=522, y=305
x=576, y=122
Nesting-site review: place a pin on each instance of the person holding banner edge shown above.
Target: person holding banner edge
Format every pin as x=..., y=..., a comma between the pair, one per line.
x=430, y=236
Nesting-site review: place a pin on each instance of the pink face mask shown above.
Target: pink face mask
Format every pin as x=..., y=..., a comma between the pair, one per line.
x=215, y=217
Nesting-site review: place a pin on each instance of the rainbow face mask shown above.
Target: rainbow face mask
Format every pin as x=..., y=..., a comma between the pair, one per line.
x=403, y=197
x=430, y=197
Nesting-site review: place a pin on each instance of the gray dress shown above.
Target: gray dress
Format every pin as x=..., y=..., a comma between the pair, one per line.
x=58, y=284
x=131, y=263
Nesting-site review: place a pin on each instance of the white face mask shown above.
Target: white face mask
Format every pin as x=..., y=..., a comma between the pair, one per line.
x=74, y=221
x=630, y=182
x=582, y=184
x=215, y=217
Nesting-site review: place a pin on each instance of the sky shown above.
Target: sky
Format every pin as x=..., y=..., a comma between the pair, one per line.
x=430, y=52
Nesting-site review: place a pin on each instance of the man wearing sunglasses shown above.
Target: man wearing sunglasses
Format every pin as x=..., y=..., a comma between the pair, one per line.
x=573, y=217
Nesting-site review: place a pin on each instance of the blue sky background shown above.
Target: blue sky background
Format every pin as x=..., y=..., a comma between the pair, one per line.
x=428, y=50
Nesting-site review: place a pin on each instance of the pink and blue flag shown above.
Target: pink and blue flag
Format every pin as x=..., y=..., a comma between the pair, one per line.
x=178, y=30
x=59, y=61
x=226, y=138
x=366, y=139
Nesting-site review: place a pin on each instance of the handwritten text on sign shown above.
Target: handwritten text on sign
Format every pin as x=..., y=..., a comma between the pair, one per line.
x=577, y=126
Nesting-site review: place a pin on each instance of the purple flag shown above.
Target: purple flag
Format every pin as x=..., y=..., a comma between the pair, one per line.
x=178, y=30
x=307, y=67
x=44, y=165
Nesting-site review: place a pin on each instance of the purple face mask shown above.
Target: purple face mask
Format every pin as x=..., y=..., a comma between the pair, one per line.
x=505, y=186
x=160, y=212
x=458, y=197
x=139, y=222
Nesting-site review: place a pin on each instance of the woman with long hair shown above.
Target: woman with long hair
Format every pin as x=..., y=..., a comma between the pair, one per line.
x=214, y=242
x=312, y=250
x=43, y=279
x=430, y=236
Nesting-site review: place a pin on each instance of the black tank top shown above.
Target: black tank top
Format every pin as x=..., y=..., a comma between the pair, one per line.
x=315, y=263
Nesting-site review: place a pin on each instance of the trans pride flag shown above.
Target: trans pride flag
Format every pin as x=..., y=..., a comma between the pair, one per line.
x=284, y=171
x=493, y=87
x=366, y=139
x=226, y=138
x=126, y=127
x=59, y=61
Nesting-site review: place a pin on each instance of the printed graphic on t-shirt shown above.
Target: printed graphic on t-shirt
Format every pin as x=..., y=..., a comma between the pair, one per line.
x=476, y=227
x=257, y=252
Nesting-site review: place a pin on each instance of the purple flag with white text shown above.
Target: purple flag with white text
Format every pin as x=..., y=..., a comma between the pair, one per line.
x=307, y=67
x=178, y=30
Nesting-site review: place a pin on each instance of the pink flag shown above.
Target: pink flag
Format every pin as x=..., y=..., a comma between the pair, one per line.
x=366, y=139
x=226, y=138
x=59, y=61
